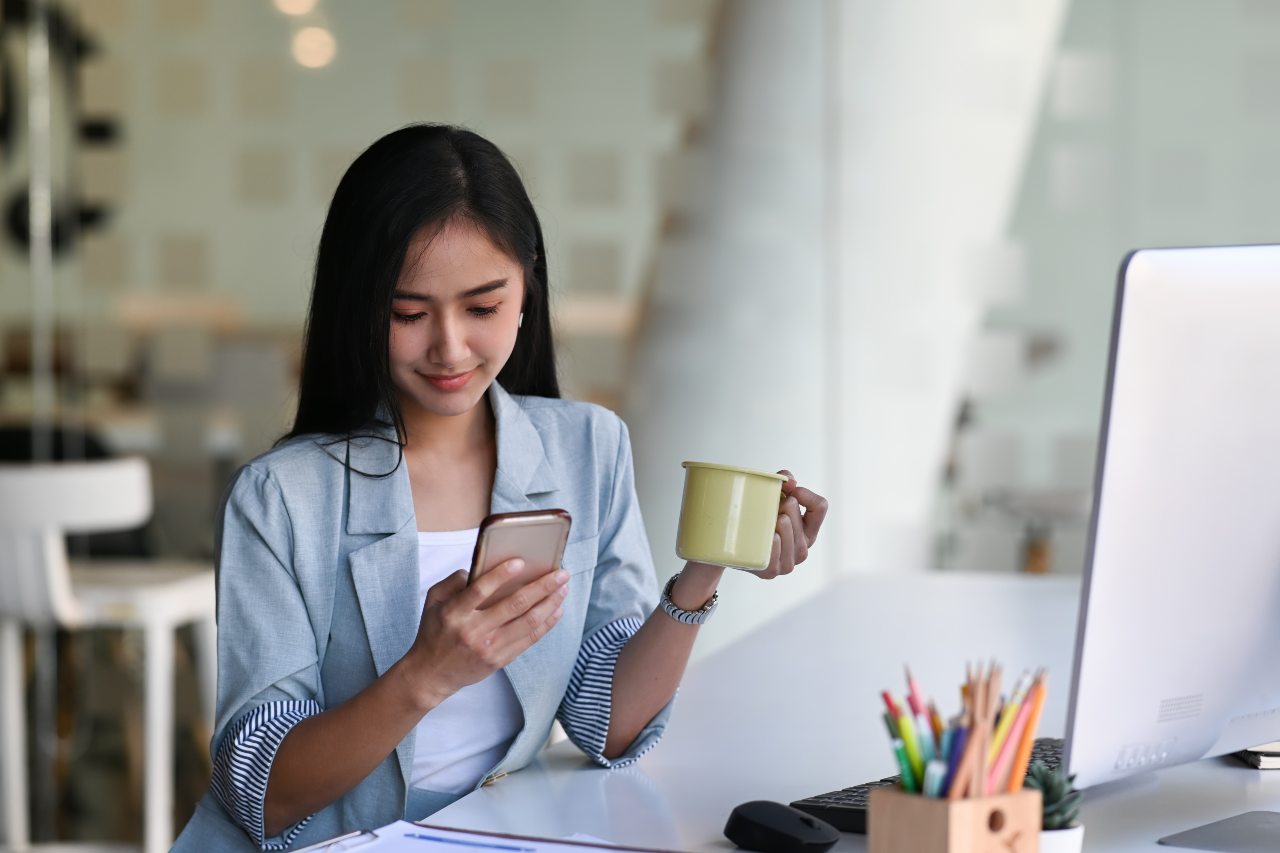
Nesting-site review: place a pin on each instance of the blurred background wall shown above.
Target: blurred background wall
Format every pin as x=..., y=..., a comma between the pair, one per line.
x=1155, y=127
x=873, y=241
x=179, y=314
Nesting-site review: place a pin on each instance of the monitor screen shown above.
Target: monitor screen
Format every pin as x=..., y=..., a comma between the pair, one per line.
x=1178, y=645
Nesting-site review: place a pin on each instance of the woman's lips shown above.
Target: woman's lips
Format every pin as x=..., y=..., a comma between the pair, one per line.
x=450, y=383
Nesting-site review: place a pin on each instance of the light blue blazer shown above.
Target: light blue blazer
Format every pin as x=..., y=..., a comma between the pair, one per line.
x=317, y=597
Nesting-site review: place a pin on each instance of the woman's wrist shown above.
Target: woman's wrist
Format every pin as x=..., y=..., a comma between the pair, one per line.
x=695, y=586
x=414, y=683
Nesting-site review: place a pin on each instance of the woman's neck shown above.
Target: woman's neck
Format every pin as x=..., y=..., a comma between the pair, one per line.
x=449, y=435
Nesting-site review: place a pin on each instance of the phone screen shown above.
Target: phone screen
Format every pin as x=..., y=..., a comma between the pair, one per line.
x=538, y=537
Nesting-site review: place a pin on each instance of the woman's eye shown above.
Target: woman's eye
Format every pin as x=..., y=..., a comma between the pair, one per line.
x=408, y=318
x=484, y=310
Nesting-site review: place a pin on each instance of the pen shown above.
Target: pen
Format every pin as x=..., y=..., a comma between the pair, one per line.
x=417, y=836
x=924, y=729
x=904, y=766
x=890, y=725
x=924, y=738
x=912, y=746
x=944, y=746
x=899, y=752
x=928, y=746
x=934, y=772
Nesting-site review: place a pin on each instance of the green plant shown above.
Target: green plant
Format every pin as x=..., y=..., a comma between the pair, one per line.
x=1061, y=800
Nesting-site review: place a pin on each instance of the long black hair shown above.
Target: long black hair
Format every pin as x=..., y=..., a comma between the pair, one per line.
x=420, y=176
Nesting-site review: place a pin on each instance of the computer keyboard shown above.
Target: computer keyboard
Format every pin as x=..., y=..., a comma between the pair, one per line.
x=846, y=809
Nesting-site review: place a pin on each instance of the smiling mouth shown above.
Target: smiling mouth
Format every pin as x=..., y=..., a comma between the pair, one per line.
x=449, y=382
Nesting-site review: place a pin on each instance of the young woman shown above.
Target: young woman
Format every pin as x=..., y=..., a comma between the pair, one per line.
x=360, y=679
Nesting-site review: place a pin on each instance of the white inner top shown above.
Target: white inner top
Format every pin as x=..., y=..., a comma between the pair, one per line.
x=471, y=731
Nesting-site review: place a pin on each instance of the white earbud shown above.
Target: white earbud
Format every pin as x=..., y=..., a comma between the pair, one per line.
x=520, y=322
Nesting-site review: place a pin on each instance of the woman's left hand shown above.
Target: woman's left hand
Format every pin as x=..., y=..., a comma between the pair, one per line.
x=800, y=515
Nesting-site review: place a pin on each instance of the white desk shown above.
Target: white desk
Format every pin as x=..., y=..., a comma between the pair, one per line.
x=793, y=710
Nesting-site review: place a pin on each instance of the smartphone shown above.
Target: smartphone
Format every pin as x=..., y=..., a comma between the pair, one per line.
x=538, y=537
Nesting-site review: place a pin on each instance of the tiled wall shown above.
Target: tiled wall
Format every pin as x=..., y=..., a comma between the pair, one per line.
x=231, y=149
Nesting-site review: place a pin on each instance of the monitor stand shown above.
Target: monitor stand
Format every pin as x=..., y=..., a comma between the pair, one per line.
x=1251, y=832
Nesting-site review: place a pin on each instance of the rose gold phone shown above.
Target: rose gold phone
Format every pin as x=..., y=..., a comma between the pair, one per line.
x=538, y=537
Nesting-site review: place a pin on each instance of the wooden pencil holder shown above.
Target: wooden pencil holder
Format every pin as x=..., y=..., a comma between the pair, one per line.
x=898, y=822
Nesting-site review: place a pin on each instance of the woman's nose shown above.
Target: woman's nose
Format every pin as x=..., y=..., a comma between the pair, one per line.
x=448, y=345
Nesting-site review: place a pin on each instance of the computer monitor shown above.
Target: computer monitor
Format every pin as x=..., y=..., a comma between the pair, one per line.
x=1178, y=645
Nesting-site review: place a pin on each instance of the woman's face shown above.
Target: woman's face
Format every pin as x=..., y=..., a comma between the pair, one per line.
x=454, y=319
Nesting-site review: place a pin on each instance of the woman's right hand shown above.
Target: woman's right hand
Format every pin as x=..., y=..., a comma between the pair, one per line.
x=459, y=643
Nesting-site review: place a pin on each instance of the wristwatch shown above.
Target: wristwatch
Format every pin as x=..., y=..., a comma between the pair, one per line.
x=688, y=617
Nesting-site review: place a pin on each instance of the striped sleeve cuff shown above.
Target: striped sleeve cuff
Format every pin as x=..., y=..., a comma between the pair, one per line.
x=243, y=765
x=588, y=702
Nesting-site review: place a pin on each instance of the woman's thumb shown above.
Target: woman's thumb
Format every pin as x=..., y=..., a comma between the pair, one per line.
x=447, y=588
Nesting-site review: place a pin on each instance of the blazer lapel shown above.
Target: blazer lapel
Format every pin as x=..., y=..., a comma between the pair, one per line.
x=380, y=502
x=384, y=571
x=523, y=473
x=523, y=468
x=385, y=574
x=379, y=498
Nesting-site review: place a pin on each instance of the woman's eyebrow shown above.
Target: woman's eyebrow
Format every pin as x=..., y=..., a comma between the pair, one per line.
x=475, y=291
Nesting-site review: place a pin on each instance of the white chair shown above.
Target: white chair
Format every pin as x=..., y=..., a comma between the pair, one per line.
x=39, y=504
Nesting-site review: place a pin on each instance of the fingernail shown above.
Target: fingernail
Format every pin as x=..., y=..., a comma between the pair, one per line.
x=559, y=612
x=515, y=566
x=562, y=577
x=562, y=591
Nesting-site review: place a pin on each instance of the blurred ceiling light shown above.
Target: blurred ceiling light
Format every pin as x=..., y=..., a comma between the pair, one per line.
x=314, y=47
x=295, y=7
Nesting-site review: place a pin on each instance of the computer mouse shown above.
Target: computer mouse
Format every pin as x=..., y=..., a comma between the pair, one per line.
x=777, y=828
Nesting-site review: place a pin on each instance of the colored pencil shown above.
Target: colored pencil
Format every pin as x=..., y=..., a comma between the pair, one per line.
x=1023, y=757
x=890, y=704
x=1008, y=714
x=998, y=775
x=938, y=726
x=963, y=777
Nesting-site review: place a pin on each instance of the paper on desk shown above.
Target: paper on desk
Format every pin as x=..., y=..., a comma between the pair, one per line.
x=1272, y=748
x=589, y=839
x=405, y=837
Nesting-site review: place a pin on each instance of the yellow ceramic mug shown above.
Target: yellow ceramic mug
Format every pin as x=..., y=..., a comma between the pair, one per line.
x=727, y=516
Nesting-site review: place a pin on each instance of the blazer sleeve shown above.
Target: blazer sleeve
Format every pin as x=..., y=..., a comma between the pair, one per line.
x=624, y=592
x=268, y=665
